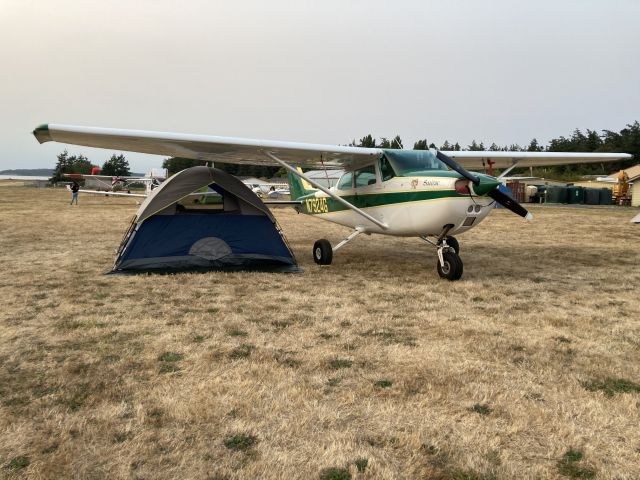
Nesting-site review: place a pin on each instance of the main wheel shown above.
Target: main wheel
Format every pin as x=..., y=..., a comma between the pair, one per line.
x=453, y=243
x=322, y=252
x=452, y=268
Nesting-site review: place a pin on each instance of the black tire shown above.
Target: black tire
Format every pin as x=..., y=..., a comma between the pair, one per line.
x=322, y=252
x=453, y=243
x=452, y=269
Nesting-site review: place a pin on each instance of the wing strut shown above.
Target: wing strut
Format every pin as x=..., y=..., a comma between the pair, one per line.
x=506, y=172
x=327, y=191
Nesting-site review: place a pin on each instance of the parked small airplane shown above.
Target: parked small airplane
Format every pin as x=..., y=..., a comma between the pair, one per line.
x=427, y=194
x=111, y=185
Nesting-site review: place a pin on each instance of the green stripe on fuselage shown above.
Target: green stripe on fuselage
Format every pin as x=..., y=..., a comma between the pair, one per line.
x=318, y=205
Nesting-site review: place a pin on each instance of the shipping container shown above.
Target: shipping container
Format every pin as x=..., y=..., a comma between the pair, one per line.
x=517, y=191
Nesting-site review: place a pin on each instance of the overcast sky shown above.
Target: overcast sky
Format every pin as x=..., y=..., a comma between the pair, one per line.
x=315, y=71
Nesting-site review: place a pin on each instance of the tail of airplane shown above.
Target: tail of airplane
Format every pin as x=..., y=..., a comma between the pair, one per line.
x=298, y=186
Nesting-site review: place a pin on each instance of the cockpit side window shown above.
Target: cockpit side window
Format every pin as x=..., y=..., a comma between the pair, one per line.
x=346, y=181
x=386, y=170
x=365, y=176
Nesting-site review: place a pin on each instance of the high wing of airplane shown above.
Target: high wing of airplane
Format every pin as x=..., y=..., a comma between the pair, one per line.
x=426, y=194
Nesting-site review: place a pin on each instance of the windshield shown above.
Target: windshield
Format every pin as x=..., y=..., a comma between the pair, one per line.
x=414, y=162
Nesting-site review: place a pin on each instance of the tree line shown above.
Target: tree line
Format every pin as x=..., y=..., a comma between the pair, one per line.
x=116, y=166
x=626, y=140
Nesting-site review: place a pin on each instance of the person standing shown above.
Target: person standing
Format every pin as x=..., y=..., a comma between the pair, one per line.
x=74, y=192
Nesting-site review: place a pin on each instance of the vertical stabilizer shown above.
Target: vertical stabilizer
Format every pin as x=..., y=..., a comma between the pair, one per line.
x=298, y=186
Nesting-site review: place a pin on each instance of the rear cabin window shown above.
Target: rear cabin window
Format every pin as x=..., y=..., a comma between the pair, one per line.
x=386, y=170
x=346, y=182
x=365, y=176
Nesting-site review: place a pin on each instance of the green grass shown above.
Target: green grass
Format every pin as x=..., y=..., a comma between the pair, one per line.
x=328, y=336
x=236, y=332
x=338, y=363
x=361, y=464
x=383, y=383
x=481, y=408
x=240, y=442
x=171, y=357
x=610, y=386
x=334, y=473
x=570, y=466
x=18, y=463
x=243, y=351
x=169, y=368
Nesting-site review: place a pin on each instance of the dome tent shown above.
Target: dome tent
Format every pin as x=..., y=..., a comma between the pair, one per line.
x=179, y=227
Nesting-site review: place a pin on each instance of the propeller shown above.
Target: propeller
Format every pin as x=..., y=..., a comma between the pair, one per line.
x=507, y=202
x=453, y=165
x=502, y=198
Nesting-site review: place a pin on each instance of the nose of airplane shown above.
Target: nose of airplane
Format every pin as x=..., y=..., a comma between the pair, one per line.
x=487, y=183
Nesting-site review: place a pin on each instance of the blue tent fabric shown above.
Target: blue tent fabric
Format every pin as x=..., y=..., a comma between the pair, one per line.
x=249, y=237
x=195, y=239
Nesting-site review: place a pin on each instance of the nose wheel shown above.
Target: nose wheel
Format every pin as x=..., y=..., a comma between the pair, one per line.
x=453, y=243
x=449, y=265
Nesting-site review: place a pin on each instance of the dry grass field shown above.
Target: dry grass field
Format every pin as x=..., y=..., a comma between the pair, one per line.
x=529, y=367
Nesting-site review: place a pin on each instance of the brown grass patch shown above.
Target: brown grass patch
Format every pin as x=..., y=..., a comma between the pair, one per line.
x=370, y=368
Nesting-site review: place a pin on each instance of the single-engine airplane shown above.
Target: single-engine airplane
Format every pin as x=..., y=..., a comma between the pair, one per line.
x=428, y=194
x=119, y=185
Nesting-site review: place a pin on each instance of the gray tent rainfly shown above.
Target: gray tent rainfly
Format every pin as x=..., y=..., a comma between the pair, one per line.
x=203, y=218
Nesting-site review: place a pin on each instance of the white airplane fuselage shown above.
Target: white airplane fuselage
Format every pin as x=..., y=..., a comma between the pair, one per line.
x=409, y=206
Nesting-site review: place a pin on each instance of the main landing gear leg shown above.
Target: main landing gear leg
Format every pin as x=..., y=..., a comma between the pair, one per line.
x=449, y=264
x=323, y=252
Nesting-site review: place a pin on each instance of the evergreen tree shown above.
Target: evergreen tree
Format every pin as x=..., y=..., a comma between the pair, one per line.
x=81, y=164
x=116, y=166
x=446, y=146
x=367, y=141
x=593, y=141
x=534, y=147
x=175, y=164
x=421, y=145
x=474, y=147
x=395, y=143
x=70, y=164
x=62, y=166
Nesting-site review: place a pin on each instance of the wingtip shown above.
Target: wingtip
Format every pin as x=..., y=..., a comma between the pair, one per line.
x=42, y=134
